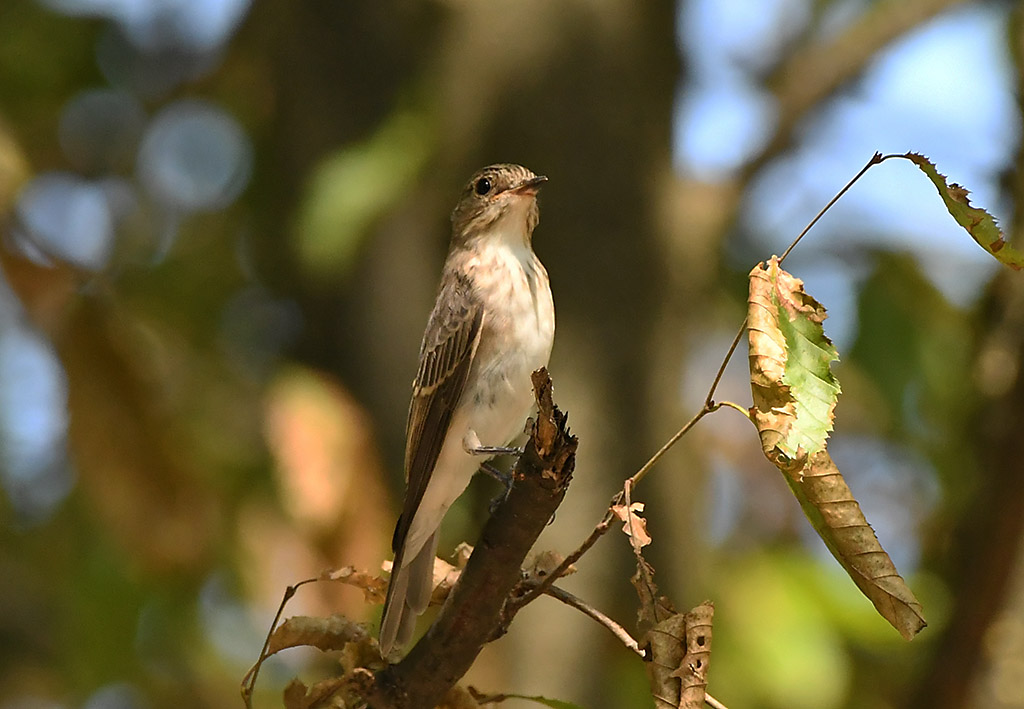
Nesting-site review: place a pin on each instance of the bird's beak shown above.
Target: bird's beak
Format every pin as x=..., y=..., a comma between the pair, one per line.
x=531, y=186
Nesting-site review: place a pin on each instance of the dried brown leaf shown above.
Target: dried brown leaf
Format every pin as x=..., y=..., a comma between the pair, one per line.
x=693, y=670
x=325, y=634
x=539, y=566
x=830, y=506
x=295, y=695
x=653, y=608
x=795, y=395
x=679, y=650
x=634, y=526
x=374, y=588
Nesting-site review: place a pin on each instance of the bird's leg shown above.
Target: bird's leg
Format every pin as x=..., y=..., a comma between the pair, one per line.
x=504, y=478
x=471, y=444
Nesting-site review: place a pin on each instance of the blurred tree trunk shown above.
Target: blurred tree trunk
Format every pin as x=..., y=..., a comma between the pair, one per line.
x=342, y=68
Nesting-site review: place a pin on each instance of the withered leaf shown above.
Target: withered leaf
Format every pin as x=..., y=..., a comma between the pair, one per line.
x=979, y=224
x=325, y=634
x=794, y=395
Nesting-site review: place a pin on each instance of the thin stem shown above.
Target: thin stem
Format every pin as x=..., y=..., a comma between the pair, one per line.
x=709, y=407
x=639, y=475
x=875, y=159
x=249, y=681
x=709, y=400
x=585, y=608
x=568, y=561
x=712, y=702
x=733, y=405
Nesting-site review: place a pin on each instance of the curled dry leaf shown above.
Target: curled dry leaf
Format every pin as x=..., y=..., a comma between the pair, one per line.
x=679, y=651
x=325, y=634
x=460, y=557
x=542, y=564
x=374, y=588
x=794, y=395
x=829, y=504
x=295, y=695
x=653, y=607
x=634, y=526
x=322, y=695
x=445, y=577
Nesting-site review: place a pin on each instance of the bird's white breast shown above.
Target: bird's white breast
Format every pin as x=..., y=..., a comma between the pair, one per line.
x=519, y=326
x=518, y=330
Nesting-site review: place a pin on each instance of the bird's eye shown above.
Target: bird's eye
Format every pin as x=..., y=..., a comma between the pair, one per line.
x=483, y=186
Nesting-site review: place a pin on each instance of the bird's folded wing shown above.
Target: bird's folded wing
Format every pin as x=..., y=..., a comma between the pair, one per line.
x=446, y=355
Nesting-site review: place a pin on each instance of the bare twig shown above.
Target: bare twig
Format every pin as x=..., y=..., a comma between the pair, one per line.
x=514, y=605
x=709, y=400
x=585, y=608
x=712, y=702
x=875, y=159
x=249, y=681
x=733, y=405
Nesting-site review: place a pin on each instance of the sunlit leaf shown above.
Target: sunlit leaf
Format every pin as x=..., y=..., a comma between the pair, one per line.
x=794, y=396
x=979, y=224
x=793, y=388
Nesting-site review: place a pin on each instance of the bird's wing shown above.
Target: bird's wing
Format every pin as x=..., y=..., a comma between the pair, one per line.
x=446, y=355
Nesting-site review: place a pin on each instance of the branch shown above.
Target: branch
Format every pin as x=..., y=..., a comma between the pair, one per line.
x=471, y=615
x=812, y=73
x=579, y=604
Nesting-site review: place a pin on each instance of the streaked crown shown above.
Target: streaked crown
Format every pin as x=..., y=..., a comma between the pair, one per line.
x=492, y=193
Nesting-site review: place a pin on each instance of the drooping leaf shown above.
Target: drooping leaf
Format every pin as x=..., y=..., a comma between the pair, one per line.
x=331, y=633
x=680, y=653
x=793, y=388
x=979, y=224
x=794, y=396
x=829, y=504
x=654, y=608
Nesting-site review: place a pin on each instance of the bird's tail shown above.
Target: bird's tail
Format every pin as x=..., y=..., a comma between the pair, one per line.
x=408, y=596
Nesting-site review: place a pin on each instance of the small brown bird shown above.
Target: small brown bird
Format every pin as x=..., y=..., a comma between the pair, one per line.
x=492, y=325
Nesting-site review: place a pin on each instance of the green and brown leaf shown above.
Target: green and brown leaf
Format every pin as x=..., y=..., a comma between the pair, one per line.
x=794, y=395
x=979, y=224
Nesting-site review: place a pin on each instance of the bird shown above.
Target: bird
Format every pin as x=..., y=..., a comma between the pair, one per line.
x=492, y=325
